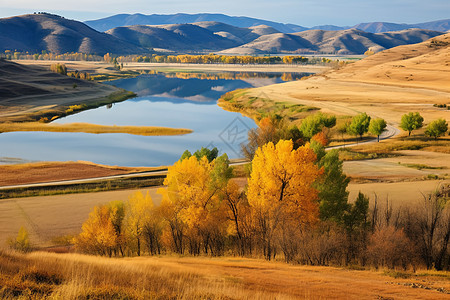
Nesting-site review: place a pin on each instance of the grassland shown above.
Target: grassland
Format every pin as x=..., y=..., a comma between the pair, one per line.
x=71, y=276
x=92, y=128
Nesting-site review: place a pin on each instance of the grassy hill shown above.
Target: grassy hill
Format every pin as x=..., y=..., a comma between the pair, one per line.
x=27, y=93
x=175, y=37
x=141, y=19
x=388, y=84
x=350, y=41
x=51, y=33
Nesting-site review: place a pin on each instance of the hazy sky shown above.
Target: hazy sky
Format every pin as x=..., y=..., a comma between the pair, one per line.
x=301, y=12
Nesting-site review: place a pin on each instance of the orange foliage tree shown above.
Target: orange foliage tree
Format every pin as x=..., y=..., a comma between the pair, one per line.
x=280, y=190
x=98, y=235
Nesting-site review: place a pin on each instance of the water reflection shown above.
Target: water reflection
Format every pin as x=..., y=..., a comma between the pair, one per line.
x=180, y=100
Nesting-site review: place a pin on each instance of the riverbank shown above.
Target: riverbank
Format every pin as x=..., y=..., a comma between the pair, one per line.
x=33, y=93
x=107, y=68
x=93, y=128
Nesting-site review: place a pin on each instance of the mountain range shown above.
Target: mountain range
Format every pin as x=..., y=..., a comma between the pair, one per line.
x=140, y=19
x=38, y=32
x=108, y=23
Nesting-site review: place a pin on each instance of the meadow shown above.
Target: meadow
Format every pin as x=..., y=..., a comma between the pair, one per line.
x=41, y=275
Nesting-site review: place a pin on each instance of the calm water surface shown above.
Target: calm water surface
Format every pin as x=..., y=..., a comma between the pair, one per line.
x=178, y=100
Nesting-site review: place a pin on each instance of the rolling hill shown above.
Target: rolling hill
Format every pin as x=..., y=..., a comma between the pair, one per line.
x=176, y=37
x=350, y=41
x=377, y=27
x=387, y=84
x=140, y=19
x=51, y=33
x=29, y=92
x=46, y=32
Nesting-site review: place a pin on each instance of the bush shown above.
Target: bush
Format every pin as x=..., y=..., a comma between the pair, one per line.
x=389, y=247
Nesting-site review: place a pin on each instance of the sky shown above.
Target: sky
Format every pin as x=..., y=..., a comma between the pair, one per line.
x=300, y=12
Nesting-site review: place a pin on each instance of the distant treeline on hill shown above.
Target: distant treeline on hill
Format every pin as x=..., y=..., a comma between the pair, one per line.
x=164, y=58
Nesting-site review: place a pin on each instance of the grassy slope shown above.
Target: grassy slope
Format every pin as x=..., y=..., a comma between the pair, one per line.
x=71, y=276
x=387, y=84
x=29, y=93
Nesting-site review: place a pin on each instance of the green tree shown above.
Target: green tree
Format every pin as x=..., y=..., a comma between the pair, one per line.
x=437, y=128
x=377, y=126
x=411, y=121
x=359, y=125
x=313, y=124
x=332, y=187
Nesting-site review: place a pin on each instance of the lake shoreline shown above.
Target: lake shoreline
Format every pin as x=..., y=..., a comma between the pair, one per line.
x=106, y=68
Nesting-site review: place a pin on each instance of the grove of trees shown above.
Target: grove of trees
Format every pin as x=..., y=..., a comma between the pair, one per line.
x=294, y=206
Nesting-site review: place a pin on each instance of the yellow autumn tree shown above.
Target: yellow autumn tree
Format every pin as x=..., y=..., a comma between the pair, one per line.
x=280, y=190
x=191, y=199
x=138, y=213
x=98, y=235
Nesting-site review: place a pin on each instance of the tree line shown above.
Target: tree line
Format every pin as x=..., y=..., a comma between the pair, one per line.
x=295, y=206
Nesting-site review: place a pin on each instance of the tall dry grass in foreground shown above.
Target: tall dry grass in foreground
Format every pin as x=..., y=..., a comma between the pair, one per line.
x=42, y=275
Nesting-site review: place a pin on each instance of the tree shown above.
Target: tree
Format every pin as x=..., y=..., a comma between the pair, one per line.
x=191, y=200
x=137, y=215
x=377, y=126
x=411, y=121
x=313, y=124
x=359, y=125
x=342, y=129
x=356, y=224
x=21, y=242
x=97, y=233
x=280, y=189
x=332, y=187
x=271, y=129
x=437, y=128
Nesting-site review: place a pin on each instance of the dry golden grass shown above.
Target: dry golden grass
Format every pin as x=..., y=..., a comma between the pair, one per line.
x=92, y=128
x=50, y=217
x=72, y=276
x=386, y=85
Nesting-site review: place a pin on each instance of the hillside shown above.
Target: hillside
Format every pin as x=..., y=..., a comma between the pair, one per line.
x=388, y=84
x=176, y=37
x=376, y=27
x=238, y=34
x=140, y=19
x=27, y=92
x=75, y=276
x=245, y=22
x=45, y=32
x=350, y=41
x=51, y=33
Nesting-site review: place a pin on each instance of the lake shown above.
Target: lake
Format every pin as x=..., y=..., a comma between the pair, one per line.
x=179, y=100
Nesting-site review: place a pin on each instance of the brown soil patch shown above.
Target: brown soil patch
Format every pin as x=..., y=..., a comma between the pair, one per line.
x=58, y=171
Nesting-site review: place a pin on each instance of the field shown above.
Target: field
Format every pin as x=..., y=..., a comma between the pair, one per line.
x=51, y=217
x=73, y=276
